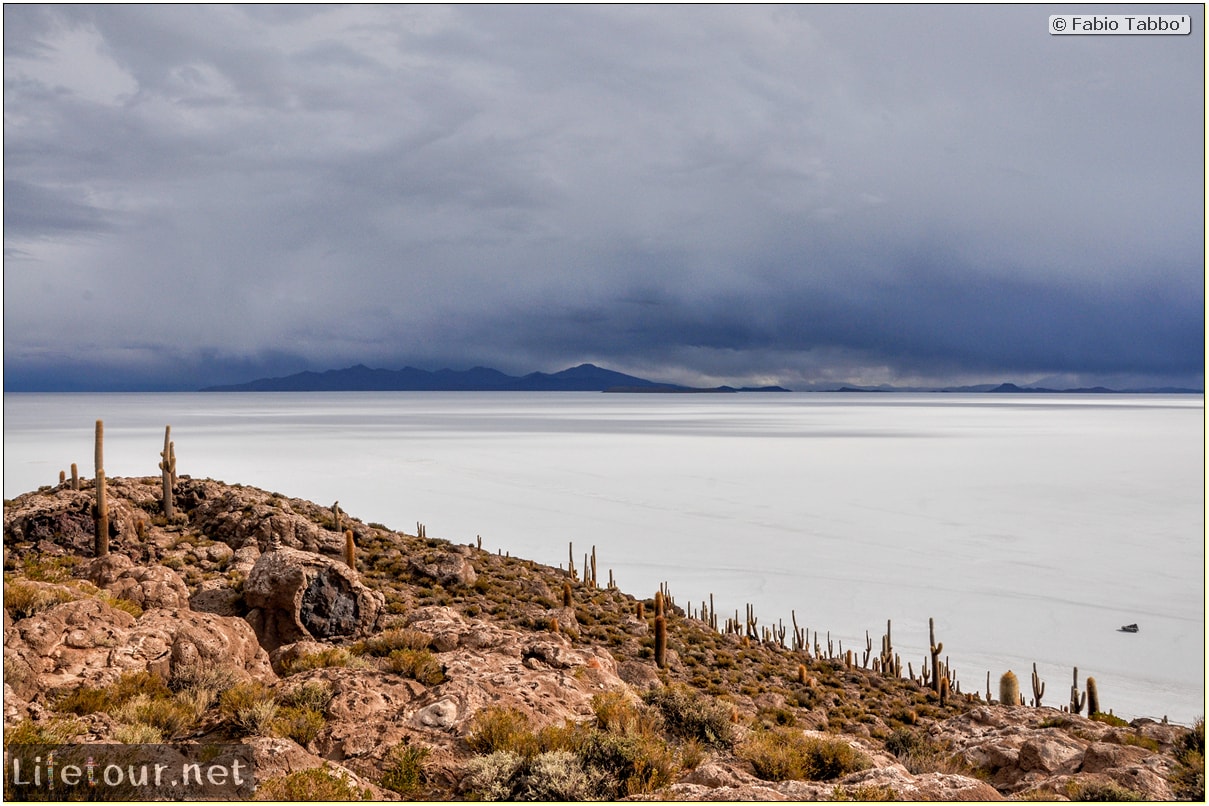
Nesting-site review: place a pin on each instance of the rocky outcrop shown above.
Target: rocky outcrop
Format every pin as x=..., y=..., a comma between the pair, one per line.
x=245, y=516
x=447, y=568
x=90, y=642
x=1042, y=750
x=294, y=595
x=149, y=587
x=172, y=597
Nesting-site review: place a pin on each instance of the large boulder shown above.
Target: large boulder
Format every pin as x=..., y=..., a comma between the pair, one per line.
x=295, y=595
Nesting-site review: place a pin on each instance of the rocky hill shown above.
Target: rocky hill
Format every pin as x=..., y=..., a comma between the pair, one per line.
x=351, y=660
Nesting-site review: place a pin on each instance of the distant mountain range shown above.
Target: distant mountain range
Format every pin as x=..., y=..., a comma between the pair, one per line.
x=360, y=378
x=1011, y=388
x=583, y=378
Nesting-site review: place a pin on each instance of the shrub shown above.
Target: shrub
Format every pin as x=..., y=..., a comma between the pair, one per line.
x=314, y=694
x=405, y=769
x=556, y=776
x=1101, y=792
x=493, y=776
x=629, y=765
x=1109, y=719
x=58, y=730
x=420, y=665
x=916, y=752
x=317, y=783
x=202, y=675
x=51, y=569
x=1188, y=778
x=497, y=729
x=83, y=701
x=132, y=684
x=303, y=725
x=137, y=733
x=249, y=707
x=324, y=659
x=785, y=754
x=168, y=716
x=689, y=714
x=24, y=600
x=388, y=641
x=616, y=713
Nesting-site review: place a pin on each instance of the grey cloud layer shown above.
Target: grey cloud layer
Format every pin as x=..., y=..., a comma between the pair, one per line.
x=208, y=192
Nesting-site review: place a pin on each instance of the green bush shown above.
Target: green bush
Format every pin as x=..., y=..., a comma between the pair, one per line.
x=405, y=769
x=689, y=714
x=616, y=713
x=1109, y=719
x=58, y=730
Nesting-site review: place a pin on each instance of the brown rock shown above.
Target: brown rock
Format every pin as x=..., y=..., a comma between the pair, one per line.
x=90, y=642
x=1102, y=756
x=294, y=595
x=1052, y=753
x=449, y=569
x=154, y=586
x=639, y=675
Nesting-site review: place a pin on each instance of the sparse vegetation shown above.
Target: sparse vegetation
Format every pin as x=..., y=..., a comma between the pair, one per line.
x=722, y=697
x=785, y=754
x=404, y=772
x=314, y=784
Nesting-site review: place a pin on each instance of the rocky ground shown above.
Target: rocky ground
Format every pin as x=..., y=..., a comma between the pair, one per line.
x=433, y=670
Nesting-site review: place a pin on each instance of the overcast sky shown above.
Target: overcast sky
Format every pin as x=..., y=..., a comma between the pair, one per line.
x=795, y=195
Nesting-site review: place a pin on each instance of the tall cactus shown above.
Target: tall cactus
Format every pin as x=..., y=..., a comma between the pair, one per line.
x=1009, y=689
x=1076, y=699
x=1093, y=697
x=167, y=471
x=661, y=642
x=1038, y=688
x=935, y=649
x=101, y=540
x=75, y=476
x=350, y=550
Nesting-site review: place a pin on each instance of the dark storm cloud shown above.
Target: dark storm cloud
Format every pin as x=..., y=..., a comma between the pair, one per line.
x=729, y=193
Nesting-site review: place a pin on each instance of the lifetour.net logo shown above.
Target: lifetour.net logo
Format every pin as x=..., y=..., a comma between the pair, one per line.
x=128, y=772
